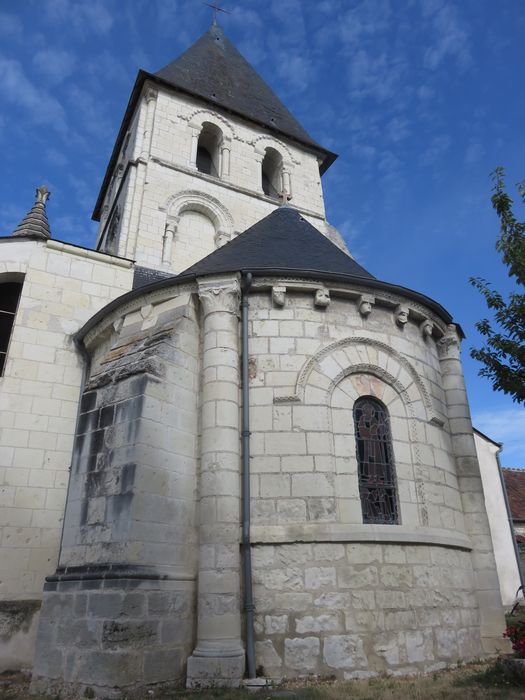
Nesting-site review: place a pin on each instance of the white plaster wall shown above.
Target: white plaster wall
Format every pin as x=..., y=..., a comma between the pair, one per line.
x=500, y=530
x=63, y=287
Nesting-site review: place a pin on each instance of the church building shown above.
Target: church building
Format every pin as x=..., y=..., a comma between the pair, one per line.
x=228, y=450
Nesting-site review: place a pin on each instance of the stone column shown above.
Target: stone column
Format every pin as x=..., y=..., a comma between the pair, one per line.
x=194, y=146
x=150, y=99
x=477, y=527
x=167, y=242
x=287, y=181
x=225, y=159
x=218, y=658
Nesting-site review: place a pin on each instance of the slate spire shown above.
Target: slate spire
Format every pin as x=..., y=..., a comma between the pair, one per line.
x=213, y=69
x=35, y=223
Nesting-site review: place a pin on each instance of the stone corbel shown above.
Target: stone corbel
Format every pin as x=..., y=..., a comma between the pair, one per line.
x=401, y=315
x=322, y=297
x=279, y=295
x=426, y=327
x=365, y=303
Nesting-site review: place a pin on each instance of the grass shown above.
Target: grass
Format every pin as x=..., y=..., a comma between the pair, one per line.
x=472, y=682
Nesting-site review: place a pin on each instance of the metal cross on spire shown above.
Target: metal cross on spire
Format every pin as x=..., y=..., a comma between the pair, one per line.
x=215, y=7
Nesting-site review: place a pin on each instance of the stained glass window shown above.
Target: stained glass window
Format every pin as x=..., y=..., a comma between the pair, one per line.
x=377, y=479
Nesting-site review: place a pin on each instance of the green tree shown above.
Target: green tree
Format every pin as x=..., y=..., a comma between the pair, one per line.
x=503, y=354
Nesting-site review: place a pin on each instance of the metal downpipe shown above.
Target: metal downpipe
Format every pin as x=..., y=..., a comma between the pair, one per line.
x=246, y=544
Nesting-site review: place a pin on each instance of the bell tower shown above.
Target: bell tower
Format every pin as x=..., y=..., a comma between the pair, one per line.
x=205, y=150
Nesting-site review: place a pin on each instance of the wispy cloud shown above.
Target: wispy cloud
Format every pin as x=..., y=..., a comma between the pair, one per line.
x=38, y=105
x=10, y=25
x=84, y=17
x=54, y=64
x=506, y=426
x=450, y=36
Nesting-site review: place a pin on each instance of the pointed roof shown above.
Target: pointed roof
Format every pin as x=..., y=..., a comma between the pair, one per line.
x=282, y=241
x=35, y=223
x=214, y=70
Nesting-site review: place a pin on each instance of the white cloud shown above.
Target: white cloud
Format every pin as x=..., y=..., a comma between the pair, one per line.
x=506, y=426
x=451, y=39
x=84, y=17
x=39, y=106
x=55, y=64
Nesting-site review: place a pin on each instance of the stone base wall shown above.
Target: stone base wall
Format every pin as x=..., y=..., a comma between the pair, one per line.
x=359, y=610
x=113, y=633
x=18, y=625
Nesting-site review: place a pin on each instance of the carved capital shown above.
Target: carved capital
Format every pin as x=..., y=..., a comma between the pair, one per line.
x=219, y=295
x=449, y=345
x=150, y=95
x=221, y=237
x=279, y=295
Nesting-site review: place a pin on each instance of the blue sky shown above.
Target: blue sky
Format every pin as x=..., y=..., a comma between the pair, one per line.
x=421, y=99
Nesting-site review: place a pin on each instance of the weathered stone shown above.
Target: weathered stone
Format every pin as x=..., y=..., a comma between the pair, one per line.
x=322, y=623
x=344, y=651
x=302, y=654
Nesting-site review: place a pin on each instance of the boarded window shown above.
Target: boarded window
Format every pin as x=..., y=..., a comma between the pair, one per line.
x=377, y=479
x=9, y=298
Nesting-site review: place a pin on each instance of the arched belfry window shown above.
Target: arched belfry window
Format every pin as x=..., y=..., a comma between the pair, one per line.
x=272, y=173
x=209, y=149
x=375, y=462
x=9, y=298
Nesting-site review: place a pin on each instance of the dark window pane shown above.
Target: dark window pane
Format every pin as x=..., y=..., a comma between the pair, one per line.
x=204, y=161
x=377, y=482
x=9, y=295
x=6, y=325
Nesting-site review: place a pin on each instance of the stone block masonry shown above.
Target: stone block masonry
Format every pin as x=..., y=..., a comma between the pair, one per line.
x=358, y=610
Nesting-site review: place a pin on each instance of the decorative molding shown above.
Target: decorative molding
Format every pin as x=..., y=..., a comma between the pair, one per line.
x=208, y=116
x=272, y=142
x=195, y=200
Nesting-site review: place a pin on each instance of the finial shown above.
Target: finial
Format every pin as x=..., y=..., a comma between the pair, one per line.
x=42, y=195
x=215, y=7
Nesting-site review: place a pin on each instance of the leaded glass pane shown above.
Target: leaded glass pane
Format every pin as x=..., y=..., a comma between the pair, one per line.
x=377, y=482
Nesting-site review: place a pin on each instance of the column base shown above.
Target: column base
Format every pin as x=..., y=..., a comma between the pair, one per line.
x=214, y=672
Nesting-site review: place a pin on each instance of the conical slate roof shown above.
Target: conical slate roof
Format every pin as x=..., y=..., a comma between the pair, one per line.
x=283, y=241
x=214, y=70
x=35, y=223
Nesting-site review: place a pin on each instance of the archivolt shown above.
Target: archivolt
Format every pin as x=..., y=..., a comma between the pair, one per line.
x=193, y=200
x=358, y=360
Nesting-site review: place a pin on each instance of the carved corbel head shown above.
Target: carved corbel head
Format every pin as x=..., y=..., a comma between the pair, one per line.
x=279, y=295
x=426, y=328
x=364, y=304
x=322, y=297
x=401, y=315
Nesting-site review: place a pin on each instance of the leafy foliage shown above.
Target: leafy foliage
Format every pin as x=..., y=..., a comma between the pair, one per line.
x=503, y=355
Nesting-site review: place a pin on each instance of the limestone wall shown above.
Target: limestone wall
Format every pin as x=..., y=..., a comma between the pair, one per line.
x=358, y=610
x=63, y=286
x=161, y=184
